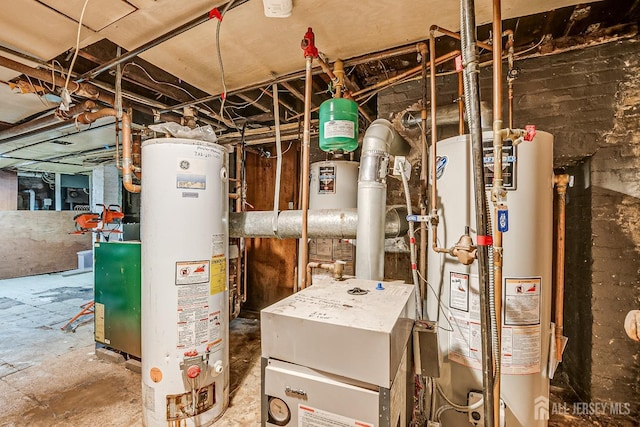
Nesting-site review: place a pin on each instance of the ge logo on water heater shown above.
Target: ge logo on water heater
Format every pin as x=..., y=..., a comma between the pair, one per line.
x=184, y=164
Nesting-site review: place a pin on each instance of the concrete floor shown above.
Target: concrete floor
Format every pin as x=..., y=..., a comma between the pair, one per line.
x=53, y=378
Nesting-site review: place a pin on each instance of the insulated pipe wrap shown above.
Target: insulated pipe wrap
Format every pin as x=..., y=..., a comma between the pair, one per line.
x=323, y=223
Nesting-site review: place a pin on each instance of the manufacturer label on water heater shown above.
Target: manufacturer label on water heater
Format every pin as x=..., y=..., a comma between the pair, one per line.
x=509, y=169
x=339, y=129
x=327, y=180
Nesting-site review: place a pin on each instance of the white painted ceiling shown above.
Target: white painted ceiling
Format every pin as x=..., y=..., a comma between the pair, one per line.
x=254, y=48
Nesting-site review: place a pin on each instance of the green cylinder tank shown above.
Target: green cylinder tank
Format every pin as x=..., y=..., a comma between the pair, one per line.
x=338, y=125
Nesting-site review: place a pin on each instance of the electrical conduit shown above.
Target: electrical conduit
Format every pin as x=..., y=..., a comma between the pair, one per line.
x=472, y=105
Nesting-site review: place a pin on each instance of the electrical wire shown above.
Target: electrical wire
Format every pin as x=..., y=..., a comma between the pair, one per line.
x=77, y=49
x=441, y=306
x=222, y=77
x=240, y=105
x=461, y=408
x=414, y=270
x=35, y=92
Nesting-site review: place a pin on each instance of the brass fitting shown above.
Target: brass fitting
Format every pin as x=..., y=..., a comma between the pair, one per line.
x=465, y=250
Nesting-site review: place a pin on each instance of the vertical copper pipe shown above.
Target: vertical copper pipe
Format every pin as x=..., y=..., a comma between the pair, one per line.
x=239, y=205
x=434, y=136
x=456, y=36
x=510, y=78
x=498, y=192
x=460, y=104
x=562, y=181
x=127, y=162
x=306, y=137
x=424, y=172
x=136, y=156
x=434, y=140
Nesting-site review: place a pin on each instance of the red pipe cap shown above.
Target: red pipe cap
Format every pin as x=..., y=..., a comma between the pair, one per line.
x=193, y=371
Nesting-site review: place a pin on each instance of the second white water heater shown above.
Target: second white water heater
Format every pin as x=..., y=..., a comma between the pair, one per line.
x=333, y=185
x=184, y=234
x=453, y=300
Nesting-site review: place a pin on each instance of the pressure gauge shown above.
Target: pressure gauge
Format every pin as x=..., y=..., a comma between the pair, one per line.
x=279, y=413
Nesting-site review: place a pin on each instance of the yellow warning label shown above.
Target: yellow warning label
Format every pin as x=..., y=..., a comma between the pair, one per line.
x=99, y=321
x=218, y=282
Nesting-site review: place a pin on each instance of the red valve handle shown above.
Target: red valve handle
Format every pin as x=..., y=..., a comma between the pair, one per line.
x=308, y=44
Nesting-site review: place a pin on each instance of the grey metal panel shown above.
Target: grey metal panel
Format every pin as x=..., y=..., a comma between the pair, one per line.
x=385, y=408
x=362, y=337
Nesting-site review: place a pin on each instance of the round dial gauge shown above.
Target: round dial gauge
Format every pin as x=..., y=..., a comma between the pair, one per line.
x=279, y=411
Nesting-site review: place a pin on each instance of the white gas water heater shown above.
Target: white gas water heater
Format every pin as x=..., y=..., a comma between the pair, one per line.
x=185, y=330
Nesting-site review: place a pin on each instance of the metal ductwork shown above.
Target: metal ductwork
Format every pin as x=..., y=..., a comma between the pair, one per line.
x=323, y=223
x=372, y=199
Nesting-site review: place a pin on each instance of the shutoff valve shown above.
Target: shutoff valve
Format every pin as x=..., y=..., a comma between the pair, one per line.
x=465, y=250
x=308, y=44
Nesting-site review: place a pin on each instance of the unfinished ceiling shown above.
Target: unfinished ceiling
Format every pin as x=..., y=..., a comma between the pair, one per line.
x=255, y=51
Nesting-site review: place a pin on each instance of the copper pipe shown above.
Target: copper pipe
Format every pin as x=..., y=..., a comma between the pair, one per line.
x=338, y=70
x=84, y=89
x=434, y=140
x=362, y=93
x=440, y=60
x=562, y=182
x=127, y=163
x=327, y=70
x=306, y=137
x=337, y=268
x=498, y=192
x=424, y=174
x=137, y=156
x=117, y=127
x=457, y=36
x=460, y=104
x=510, y=78
x=49, y=122
x=239, y=208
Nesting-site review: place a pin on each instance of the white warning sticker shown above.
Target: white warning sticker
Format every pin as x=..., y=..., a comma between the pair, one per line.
x=459, y=291
x=190, y=272
x=313, y=417
x=522, y=302
x=339, y=129
x=193, y=315
x=521, y=350
x=521, y=332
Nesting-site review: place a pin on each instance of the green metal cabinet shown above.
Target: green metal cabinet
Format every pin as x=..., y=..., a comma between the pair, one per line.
x=117, y=296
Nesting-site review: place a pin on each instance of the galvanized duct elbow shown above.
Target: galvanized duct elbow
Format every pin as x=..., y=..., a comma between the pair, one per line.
x=372, y=198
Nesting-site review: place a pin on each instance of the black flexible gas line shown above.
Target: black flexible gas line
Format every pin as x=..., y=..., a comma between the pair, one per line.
x=472, y=104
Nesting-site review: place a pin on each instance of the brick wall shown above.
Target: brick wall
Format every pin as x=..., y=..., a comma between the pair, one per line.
x=590, y=100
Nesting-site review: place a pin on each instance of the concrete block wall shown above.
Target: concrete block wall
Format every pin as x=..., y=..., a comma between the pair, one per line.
x=589, y=98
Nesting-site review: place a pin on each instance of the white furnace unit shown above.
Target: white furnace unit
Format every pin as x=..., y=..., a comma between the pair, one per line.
x=185, y=329
x=338, y=354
